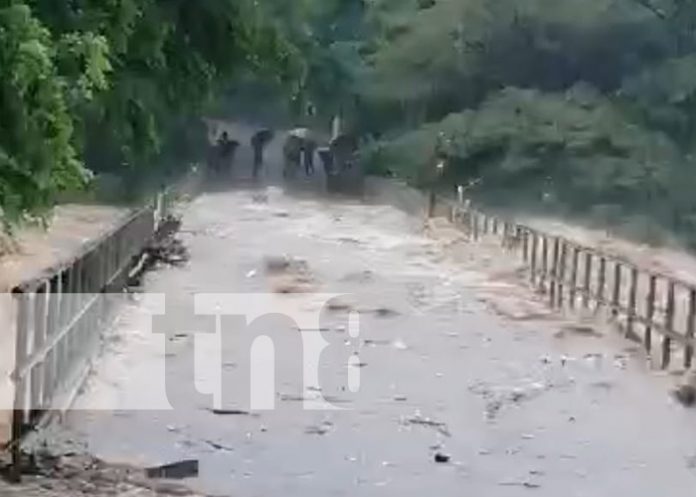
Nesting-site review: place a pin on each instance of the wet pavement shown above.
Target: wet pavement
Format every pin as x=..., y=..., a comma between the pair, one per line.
x=507, y=405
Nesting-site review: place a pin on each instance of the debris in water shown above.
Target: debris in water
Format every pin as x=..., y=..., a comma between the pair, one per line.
x=259, y=198
x=525, y=484
x=229, y=412
x=170, y=251
x=360, y=277
x=321, y=429
x=218, y=446
x=338, y=305
x=293, y=284
x=685, y=393
x=603, y=385
x=175, y=471
x=620, y=361
x=441, y=458
x=578, y=329
x=348, y=240
x=420, y=420
x=290, y=275
x=383, y=312
x=277, y=264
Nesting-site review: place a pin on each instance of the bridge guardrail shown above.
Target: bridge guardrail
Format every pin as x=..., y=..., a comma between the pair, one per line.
x=62, y=312
x=646, y=306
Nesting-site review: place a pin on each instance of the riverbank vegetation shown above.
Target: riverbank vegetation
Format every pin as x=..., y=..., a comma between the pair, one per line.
x=585, y=109
x=116, y=86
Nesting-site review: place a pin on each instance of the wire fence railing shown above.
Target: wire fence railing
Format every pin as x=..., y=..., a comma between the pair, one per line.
x=655, y=309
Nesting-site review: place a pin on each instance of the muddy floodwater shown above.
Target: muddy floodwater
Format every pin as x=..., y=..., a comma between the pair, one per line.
x=453, y=395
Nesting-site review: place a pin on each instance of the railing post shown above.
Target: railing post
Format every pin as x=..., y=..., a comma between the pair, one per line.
x=544, y=260
x=561, y=273
x=601, y=282
x=616, y=291
x=553, y=281
x=574, y=277
x=24, y=316
x=632, y=295
x=650, y=313
x=586, y=280
x=533, y=262
x=669, y=326
x=690, y=328
x=525, y=245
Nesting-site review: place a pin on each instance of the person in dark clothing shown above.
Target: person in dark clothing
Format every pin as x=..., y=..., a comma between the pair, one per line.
x=258, y=143
x=292, y=154
x=343, y=148
x=326, y=157
x=226, y=149
x=309, y=147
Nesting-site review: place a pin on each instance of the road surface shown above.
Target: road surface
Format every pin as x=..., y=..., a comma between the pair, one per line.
x=519, y=404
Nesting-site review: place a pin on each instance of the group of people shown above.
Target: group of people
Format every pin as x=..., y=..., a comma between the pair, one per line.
x=224, y=151
x=300, y=148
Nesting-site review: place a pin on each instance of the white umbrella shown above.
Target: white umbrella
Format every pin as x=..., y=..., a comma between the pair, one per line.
x=303, y=133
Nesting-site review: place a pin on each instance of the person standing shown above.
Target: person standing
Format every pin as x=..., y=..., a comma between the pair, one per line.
x=309, y=148
x=438, y=164
x=226, y=149
x=258, y=143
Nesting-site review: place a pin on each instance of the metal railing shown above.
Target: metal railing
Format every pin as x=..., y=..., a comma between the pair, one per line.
x=61, y=314
x=646, y=306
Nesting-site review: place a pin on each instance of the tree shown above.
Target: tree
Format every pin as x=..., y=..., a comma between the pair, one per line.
x=110, y=83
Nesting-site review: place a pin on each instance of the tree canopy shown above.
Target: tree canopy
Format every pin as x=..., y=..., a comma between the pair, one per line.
x=584, y=104
x=104, y=85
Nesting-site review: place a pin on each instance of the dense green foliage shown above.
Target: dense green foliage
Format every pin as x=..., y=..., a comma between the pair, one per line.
x=584, y=108
x=115, y=85
x=577, y=107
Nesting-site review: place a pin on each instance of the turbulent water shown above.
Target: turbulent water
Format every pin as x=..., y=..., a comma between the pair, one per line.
x=454, y=360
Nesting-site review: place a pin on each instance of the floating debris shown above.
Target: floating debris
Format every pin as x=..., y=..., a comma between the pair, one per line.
x=685, y=393
x=218, y=446
x=322, y=429
x=421, y=421
x=230, y=412
x=360, y=277
x=174, y=471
